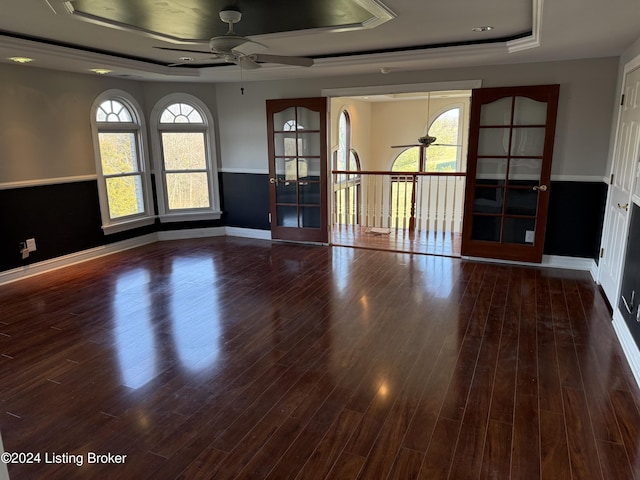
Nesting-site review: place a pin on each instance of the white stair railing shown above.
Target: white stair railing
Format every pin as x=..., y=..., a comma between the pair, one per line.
x=399, y=200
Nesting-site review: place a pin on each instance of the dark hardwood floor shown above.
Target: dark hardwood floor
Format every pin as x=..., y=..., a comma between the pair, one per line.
x=234, y=358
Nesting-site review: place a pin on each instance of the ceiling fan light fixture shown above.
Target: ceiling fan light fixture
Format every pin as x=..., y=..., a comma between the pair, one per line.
x=226, y=43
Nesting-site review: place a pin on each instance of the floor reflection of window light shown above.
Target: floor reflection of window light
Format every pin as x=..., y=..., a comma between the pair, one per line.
x=134, y=335
x=194, y=311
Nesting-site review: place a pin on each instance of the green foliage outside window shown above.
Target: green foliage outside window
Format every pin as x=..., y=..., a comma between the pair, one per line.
x=118, y=156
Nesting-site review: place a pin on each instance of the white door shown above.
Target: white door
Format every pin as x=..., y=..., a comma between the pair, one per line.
x=625, y=160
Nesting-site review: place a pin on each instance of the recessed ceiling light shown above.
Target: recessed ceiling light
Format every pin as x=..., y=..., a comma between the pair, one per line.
x=186, y=59
x=21, y=59
x=485, y=28
x=101, y=71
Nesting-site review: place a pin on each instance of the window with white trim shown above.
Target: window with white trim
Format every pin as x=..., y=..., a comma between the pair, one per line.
x=346, y=187
x=123, y=179
x=186, y=179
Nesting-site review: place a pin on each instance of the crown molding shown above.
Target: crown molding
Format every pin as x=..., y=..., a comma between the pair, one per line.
x=533, y=40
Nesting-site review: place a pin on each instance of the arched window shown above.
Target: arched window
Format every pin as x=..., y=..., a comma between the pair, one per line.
x=346, y=185
x=445, y=153
x=186, y=180
x=123, y=179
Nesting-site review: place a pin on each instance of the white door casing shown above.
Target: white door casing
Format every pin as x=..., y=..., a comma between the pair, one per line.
x=624, y=166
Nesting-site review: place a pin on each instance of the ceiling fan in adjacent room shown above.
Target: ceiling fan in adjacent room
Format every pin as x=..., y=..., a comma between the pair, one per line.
x=234, y=48
x=426, y=141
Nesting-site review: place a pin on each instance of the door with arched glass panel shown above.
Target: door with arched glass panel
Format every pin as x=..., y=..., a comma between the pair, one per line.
x=509, y=168
x=297, y=136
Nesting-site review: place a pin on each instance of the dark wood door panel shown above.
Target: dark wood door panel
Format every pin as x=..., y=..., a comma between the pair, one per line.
x=511, y=138
x=298, y=169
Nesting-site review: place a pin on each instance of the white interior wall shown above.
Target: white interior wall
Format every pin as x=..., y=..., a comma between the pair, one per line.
x=587, y=89
x=45, y=133
x=403, y=122
x=360, y=115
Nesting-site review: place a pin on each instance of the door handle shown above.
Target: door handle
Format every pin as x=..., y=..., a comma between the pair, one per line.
x=542, y=188
x=272, y=180
x=624, y=206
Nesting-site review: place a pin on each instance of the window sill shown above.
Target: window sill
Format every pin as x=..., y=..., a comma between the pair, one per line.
x=189, y=217
x=127, y=225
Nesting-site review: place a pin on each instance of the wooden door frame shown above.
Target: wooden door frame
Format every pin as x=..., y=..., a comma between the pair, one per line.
x=515, y=252
x=297, y=234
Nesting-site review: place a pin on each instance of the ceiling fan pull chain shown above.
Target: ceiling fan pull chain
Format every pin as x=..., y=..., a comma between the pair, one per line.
x=241, y=80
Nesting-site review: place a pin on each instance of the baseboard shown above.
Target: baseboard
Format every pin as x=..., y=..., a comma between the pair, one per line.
x=77, y=257
x=549, y=261
x=570, y=263
x=248, y=233
x=214, y=232
x=628, y=344
x=191, y=233
x=73, y=258
x=595, y=272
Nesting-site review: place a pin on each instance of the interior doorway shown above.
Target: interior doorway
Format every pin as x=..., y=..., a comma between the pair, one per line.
x=398, y=169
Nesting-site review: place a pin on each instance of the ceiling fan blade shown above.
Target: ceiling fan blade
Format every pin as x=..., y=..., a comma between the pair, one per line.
x=447, y=144
x=407, y=146
x=183, y=50
x=284, y=60
x=249, y=48
x=247, y=63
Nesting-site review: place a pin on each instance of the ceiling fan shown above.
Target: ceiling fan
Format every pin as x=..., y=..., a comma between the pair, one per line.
x=234, y=48
x=427, y=140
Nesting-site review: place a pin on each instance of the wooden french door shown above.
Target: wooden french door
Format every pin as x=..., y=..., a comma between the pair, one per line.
x=297, y=130
x=511, y=138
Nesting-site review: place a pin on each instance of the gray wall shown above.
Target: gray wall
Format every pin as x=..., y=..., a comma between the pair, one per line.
x=586, y=105
x=45, y=130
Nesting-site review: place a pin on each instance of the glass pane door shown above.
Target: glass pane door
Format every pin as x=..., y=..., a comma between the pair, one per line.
x=298, y=169
x=509, y=167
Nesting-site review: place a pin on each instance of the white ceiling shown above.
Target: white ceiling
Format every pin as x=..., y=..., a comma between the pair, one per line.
x=559, y=30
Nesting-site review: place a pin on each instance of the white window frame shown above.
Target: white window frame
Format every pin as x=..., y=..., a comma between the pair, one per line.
x=212, y=212
x=137, y=126
x=461, y=130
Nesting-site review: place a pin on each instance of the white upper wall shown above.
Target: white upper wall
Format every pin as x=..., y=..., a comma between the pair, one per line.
x=403, y=122
x=587, y=90
x=360, y=115
x=45, y=130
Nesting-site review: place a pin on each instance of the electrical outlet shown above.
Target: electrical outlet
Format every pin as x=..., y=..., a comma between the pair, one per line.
x=31, y=244
x=529, y=236
x=24, y=251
